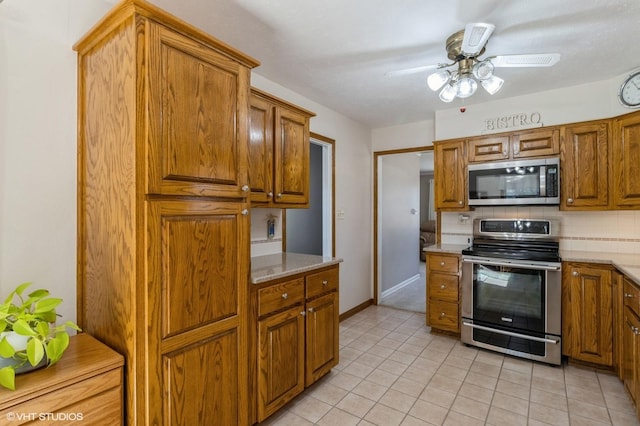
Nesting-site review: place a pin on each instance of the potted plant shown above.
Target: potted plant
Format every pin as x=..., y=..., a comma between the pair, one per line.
x=29, y=338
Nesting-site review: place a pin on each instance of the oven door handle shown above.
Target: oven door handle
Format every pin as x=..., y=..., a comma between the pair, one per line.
x=487, y=261
x=510, y=333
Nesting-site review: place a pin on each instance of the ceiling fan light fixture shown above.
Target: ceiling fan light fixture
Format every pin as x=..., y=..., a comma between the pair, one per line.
x=448, y=93
x=492, y=84
x=438, y=79
x=466, y=85
x=483, y=70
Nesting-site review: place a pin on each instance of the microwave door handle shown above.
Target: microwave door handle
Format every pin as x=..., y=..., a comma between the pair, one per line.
x=543, y=181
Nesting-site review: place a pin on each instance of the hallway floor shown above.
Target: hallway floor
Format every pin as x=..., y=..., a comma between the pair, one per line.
x=393, y=371
x=412, y=297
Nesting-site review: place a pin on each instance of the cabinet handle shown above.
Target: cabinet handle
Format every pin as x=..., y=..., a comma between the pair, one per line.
x=569, y=200
x=442, y=286
x=303, y=313
x=311, y=310
x=285, y=296
x=244, y=212
x=279, y=195
x=575, y=273
x=634, y=329
x=325, y=282
x=245, y=188
x=270, y=194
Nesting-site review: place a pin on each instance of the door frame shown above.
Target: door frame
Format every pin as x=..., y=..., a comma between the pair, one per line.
x=377, y=156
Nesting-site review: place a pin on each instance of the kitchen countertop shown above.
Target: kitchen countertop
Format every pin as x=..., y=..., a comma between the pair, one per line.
x=272, y=266
x=628, y=264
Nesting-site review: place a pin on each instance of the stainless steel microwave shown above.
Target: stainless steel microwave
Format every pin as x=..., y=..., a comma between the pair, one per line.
x=519, y=182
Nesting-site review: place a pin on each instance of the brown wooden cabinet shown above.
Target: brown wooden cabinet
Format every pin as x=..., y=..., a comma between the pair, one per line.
x=443, y=281
x=625, y=167
x=295, y=339
x=514, y=145
x=587, y=313
x=278, y=152
x=584, y=166
x=84, y=387
x=162, y=257
x=450, y=175
x=631, y=342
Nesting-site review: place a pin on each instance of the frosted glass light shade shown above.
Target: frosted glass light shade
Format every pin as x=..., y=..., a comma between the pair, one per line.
x=438, y=79
x=467, y=86
x=492, y=84
x=483, y=70
x=448, y=93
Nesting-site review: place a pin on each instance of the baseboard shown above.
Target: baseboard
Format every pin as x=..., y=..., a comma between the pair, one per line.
x=351, y=312
x=399, y=286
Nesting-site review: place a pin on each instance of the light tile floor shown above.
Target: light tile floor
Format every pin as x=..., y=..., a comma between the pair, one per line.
x=393, y=371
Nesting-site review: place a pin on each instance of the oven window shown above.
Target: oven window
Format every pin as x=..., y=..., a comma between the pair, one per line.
x=510, y=297
x=513, y=182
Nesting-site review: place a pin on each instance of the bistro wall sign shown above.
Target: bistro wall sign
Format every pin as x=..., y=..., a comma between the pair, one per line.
x=513, y=121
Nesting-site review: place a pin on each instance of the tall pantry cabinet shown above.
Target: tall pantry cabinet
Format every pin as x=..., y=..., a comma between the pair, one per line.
x=163, y=225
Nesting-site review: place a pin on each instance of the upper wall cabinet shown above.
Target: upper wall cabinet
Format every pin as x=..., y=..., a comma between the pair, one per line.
x=625, y=167
x=584, y=179
x=278, y=152
x=450, y=175
x=530, y=143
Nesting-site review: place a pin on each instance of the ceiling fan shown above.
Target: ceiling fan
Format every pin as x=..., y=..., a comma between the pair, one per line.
x=464, y=48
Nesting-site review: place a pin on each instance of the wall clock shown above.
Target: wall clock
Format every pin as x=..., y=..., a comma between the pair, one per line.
x=629, y=93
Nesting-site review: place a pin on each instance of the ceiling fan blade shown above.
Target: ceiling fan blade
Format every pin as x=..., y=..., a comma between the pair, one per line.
x=475, y=37
x=532, y=60
x=413, y=70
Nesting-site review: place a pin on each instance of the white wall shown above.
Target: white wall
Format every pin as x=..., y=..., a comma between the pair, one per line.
x=411, y=135
x=38, y=143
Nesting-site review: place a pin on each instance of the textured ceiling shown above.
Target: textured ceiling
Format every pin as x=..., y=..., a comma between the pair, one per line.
x=336, y=52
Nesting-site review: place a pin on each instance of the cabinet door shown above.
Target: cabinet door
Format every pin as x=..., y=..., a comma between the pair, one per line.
x=322, y=351
x=450, y=175
x=291, y=157
x=261, y=150
x=196, y=313
x=280, y=360
x=631, y=354
x=584, y=167
x=535, y=143
x=198, y=118
x=588, y=324
x=488, y=148
x=625, y=165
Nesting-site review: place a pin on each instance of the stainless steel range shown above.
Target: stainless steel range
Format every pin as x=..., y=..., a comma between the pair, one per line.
x=511, y=288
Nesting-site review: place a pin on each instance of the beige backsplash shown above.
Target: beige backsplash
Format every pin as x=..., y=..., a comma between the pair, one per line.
x=260, y=244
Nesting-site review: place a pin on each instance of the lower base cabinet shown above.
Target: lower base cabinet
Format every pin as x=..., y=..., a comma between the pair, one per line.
x=443, y=281
x=293, y=337
x=631, y=342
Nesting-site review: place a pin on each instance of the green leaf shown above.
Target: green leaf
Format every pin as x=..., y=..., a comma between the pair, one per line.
x=21, y=327
x=8, y=378
x=35, y=351
x=47, y=305
x=56, y=347
x=38, y=294
x=42, y=328
x=6, y=350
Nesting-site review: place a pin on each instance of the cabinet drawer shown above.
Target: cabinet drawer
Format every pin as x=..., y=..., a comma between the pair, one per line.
x=444, y=315
x=278, y=296
x=632, y=296
x=443, y=286
x=322, y=282
x=443, y=263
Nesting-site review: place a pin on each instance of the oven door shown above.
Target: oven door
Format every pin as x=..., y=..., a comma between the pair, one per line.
x=512, y=306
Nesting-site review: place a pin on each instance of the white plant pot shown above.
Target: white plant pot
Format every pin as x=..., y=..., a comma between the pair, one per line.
x=19, y=343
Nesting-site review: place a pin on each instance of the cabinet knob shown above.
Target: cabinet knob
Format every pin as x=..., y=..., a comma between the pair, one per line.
x=311, y=310
x=442, y=263
x=279, y=195
x=244, y=212
x=442, y=315
x=303, y=313
x=245, y=188
x=442, y=286
x=285, y=295
x=325, y=282
x=628, y=295
x=575, y=273
x=270, y=194
x=460, y=202
x=569, y=200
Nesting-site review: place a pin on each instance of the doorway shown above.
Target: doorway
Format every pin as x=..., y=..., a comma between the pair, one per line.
x=311, y=230
x=403, y=204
